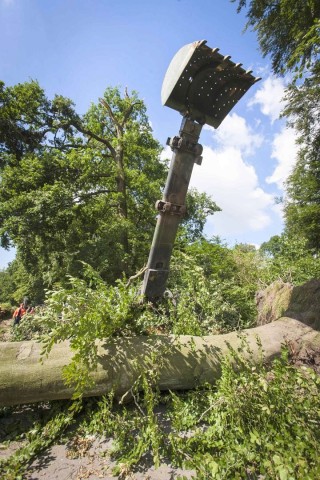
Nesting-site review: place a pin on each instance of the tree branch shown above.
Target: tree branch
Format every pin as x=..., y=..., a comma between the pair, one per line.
x=100, y=175
x=133, y=277
x=93, y=194
x=128, y=113
x=67, y=145
x=113, y=118
x=96, y=137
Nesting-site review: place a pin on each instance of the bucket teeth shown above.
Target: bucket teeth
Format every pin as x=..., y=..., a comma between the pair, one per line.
x=205, y=83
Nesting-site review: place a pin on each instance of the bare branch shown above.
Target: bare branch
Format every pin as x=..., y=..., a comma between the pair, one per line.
x=136, y=276
x=96, y=137
x=110, y=112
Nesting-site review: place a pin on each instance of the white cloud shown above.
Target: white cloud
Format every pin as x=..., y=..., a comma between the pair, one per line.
x=233, y=184
x=269, y=97
x=166, y=153
x=277, y=208
x=284, y=150
x=235, y=132
x=255, y=245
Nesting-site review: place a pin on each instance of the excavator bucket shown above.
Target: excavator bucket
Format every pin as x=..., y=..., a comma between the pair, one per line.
x=204, y=85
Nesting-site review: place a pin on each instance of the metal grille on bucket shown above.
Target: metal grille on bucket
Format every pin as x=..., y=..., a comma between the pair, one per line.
x=206, y=85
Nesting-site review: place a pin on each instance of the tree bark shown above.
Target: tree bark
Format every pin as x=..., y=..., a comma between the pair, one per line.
x=183, y=362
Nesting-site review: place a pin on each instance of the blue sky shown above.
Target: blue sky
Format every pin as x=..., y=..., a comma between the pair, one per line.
x=79, y=47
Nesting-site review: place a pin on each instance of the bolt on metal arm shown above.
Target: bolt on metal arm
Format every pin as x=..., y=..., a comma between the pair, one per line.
x=186, y=152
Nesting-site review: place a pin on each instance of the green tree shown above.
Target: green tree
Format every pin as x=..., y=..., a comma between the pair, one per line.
x=199, y=207
x=289, y=32
x=77, y=187
x=6, y=287
x=215, y=287
x=289, y=258
x=302, y=204
x=80, y=188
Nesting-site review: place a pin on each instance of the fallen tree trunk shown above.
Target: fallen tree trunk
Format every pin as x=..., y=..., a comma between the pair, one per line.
x=183, y=361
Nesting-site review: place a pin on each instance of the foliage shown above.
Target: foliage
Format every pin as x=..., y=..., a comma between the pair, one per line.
x=49, y=426
x=249, y=424
x=76, y=188
x=289, y=259
x=25, y=116
x=6, y=287
x=257, y=421
x=5, y=311
x=302, y=205
x=207, y=293
x=217, y=302
x=84, y=312
x=33, y=326
x=211, y=290
x=206, y=297
x=212, y=287
x=80, y=188
x=18, y=283
x=199, y=207
x=288, y=31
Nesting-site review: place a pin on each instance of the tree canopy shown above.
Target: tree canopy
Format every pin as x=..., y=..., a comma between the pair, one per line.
x=302, y=204
x=289, y=32
x=80, y=187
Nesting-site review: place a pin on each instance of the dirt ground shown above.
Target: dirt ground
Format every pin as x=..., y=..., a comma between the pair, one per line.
x=57, y=464
x=80, y=458
x=75, y=458
x=95, y=464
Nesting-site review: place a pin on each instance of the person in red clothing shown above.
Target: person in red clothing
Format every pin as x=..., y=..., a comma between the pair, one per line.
x=18, y=314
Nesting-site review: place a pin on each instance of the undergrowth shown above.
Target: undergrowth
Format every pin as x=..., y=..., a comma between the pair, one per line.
x=90, y=310
x=257, y=422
